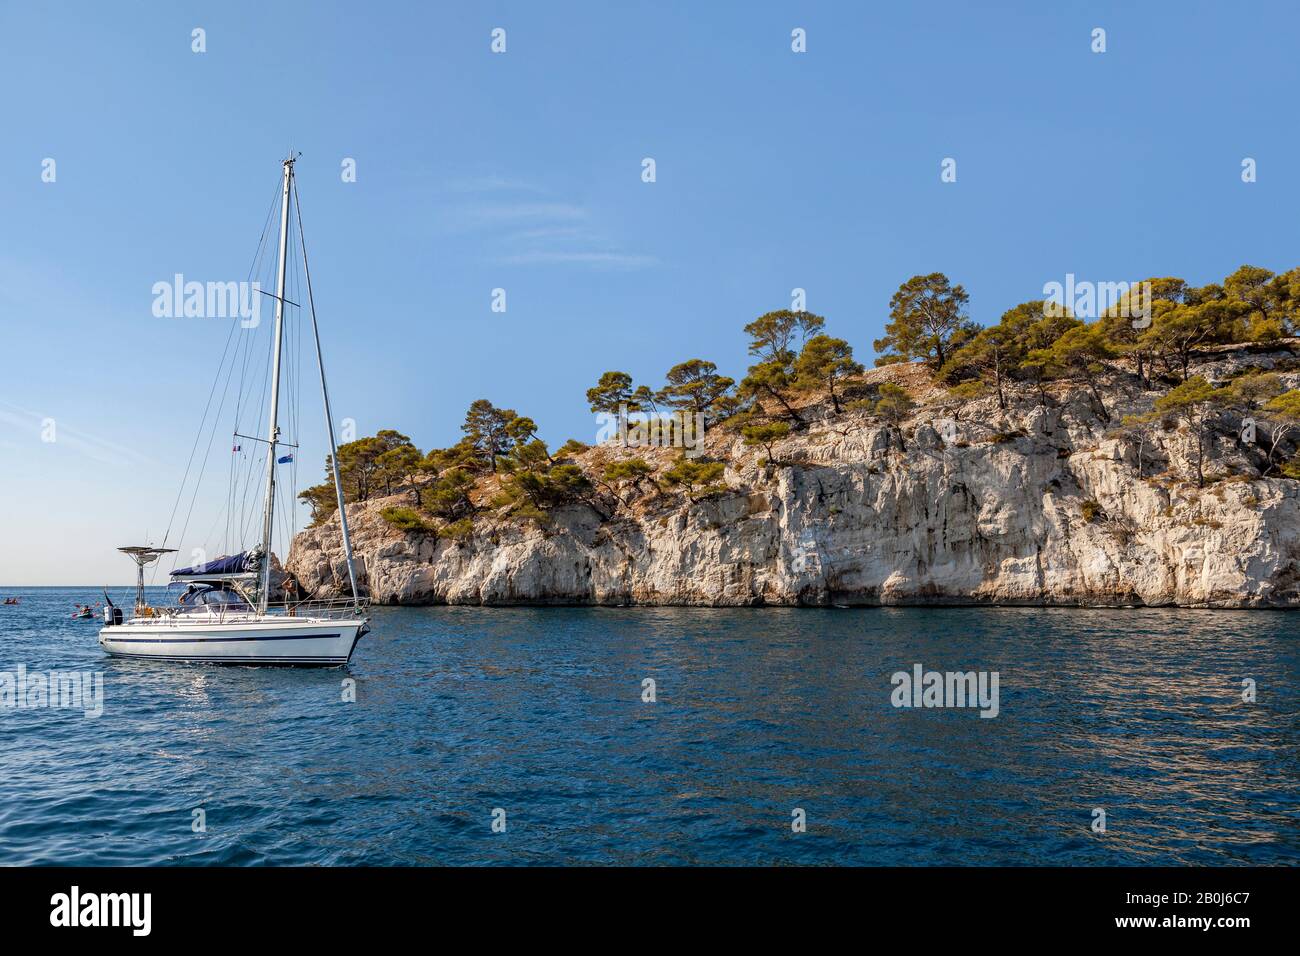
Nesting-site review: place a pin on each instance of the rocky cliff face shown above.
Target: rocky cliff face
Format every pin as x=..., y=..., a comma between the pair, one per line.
x=965, y=503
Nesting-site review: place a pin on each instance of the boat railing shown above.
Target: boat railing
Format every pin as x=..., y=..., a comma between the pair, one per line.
x=327, y=607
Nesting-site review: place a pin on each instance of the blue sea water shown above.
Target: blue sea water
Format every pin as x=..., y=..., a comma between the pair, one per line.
x=539, y=712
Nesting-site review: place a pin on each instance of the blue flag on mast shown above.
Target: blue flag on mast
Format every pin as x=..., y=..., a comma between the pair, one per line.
x=285, y=460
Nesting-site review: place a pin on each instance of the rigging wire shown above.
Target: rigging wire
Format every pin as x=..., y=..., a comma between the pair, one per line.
x=235, y=535
x=261, y=404
x=331, y=462
x=207, y=452
x=295, y=410
x=242, y=470
x=248, y=459
x=199, y=434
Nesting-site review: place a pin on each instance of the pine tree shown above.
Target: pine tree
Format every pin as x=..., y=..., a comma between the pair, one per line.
x=927, y=319
x=486, y=429
x=823, y=362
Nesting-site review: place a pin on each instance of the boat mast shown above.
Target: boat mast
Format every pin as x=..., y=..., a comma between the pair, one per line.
x=329, y=415
x=273, y=430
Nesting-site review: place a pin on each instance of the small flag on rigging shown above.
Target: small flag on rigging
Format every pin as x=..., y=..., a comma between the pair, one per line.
x=284, y=460
x=235, y=448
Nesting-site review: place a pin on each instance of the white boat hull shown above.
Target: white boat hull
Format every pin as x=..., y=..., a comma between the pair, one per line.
x=282, y=640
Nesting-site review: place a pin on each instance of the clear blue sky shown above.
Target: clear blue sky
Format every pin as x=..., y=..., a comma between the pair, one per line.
x=476, y=170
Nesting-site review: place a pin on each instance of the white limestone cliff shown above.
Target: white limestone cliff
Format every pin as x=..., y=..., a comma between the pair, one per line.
x=1042, y=505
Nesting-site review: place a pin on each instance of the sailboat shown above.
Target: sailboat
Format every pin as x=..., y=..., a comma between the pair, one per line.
x=226, y=614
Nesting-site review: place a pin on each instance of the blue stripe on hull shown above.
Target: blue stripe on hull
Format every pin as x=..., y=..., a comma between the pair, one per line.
x=303, y=660
x=220, y=640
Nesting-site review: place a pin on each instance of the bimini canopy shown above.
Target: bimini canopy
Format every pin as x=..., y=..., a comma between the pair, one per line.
x=234, y=566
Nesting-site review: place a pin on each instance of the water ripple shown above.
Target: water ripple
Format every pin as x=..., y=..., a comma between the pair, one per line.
x=538, y=711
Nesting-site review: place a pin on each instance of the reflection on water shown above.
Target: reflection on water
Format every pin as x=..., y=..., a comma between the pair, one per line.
x=539, y=712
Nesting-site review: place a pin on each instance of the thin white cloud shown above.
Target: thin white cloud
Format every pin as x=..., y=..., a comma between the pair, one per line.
x=557, y=234
x=616, y=260
x=521, y=211
x=488, y=184
x=33, y=427
x=536, y=229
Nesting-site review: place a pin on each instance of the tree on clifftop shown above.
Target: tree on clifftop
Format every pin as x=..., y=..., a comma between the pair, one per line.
x=894, y=406
x=322, y=501
x=367, y=466
x=1282, y=412
x=927, y=318
x=1191, y=401
x=612, y=390
x=696, y=478
x=765, y=435
x=1258, y=293
x=770, y=338
x=522, y=432
x=633, y=470
x=1076, y=356
x=994, y=354
x=823, y=362
x=696, y=387
x=487, y=430
x=1177, y=332
x=397, y=466
x=612, y=395
x=1124, y=322
x=448, y=497
x=771, y=334
x=770, y=380
x=532, y=493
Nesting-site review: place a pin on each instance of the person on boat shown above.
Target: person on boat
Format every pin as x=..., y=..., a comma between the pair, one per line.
x=293, y=591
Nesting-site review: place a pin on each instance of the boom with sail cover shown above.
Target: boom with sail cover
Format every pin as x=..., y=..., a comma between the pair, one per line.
x=246, y=562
